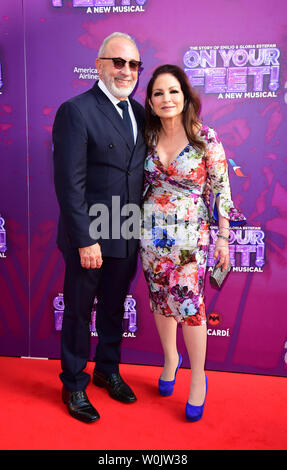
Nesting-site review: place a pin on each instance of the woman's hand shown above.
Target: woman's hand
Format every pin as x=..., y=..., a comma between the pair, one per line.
x=221, y=251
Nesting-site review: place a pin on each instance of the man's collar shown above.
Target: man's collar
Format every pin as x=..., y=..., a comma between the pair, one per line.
x=111, y=97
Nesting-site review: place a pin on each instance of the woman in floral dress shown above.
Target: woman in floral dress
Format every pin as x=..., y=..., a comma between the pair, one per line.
x=183, y=154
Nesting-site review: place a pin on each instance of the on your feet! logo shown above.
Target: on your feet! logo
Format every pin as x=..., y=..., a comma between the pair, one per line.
x=235, y=71
x=106, y=6
x=246, y=249
x=3, y=245
x=1, y=79
x=130, y=325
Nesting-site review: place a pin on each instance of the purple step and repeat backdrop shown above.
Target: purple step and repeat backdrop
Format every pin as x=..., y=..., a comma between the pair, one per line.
x=234, y=53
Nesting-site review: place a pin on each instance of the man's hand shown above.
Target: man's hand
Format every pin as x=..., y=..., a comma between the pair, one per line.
x=91, y=256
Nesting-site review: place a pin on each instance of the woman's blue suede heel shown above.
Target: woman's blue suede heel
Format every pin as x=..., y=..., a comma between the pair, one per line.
x=166, y=386
x=194, y=413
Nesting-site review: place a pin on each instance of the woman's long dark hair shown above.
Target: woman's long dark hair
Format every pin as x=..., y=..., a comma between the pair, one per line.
x=191, y=109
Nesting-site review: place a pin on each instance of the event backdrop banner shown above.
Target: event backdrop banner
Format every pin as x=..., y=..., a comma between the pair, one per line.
x=14, y=182
x=234, y=53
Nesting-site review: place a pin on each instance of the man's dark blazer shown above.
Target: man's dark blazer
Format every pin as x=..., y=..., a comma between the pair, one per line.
x=94, y=160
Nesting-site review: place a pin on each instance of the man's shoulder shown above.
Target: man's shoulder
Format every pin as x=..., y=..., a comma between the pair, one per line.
x=78, y=105
x=80, y=99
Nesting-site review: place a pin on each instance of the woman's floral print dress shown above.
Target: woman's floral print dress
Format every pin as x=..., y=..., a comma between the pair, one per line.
x=175, y=226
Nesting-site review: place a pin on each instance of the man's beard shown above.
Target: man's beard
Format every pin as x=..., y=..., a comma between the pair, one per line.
x=118, y=92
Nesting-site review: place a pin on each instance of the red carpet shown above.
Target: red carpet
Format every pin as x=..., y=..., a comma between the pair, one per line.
x=242, y=412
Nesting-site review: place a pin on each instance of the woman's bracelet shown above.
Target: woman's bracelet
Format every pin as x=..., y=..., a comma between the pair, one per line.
x=223, y=237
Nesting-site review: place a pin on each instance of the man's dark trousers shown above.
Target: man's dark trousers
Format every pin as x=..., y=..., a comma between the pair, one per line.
x=109, y=284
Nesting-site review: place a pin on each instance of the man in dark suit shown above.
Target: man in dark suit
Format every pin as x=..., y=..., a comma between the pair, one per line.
x=99, y=151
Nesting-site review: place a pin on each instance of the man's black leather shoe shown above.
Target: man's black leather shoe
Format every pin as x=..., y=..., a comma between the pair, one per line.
x=79, y=406
x=115, y=385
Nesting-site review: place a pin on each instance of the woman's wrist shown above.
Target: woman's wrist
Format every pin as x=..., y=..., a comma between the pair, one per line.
x=224, y=231
x=222, y=237
x=222, y=241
